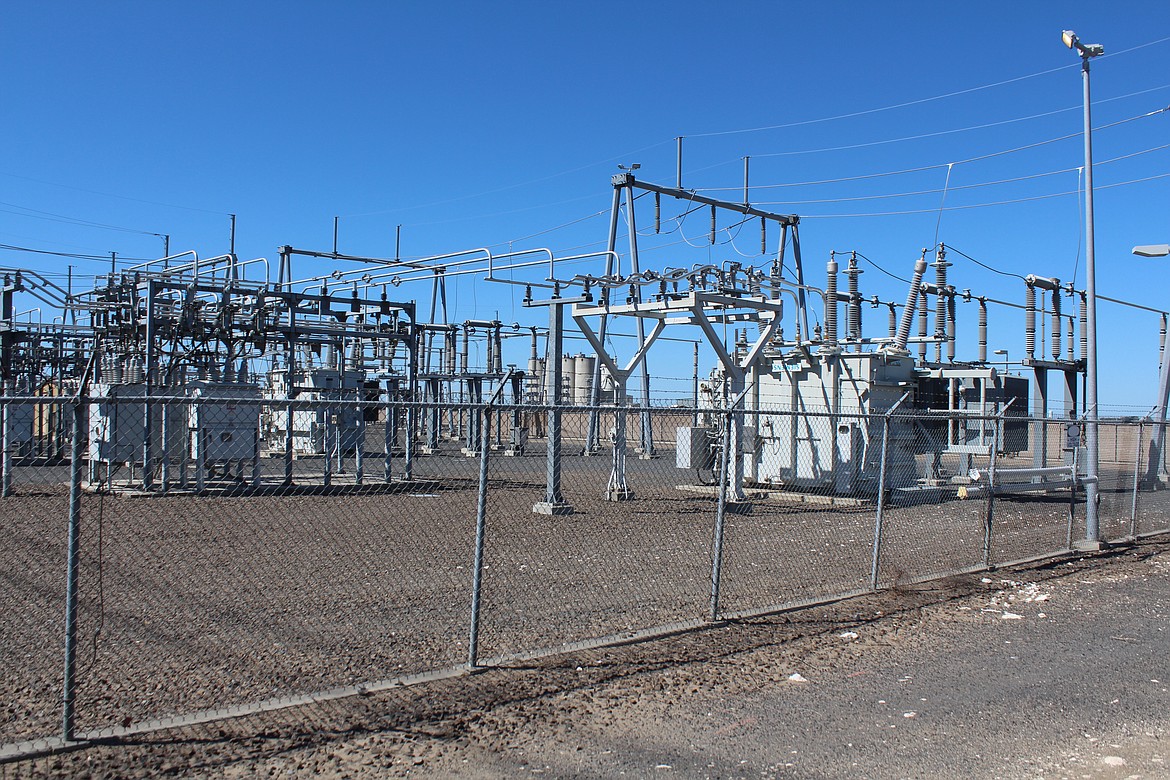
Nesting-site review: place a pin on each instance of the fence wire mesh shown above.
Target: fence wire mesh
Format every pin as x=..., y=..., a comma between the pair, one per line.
x=236, y=552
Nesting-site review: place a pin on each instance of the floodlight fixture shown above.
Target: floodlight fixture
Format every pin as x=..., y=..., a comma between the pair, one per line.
x=1086, y=50
x=1152, y=250
x=633, y=167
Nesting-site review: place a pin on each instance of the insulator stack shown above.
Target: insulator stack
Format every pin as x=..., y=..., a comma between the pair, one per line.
x=940, y=304
x=831, y=304
x=1057, y=323
x=499, y=354
x=951, y=328
x=1030, y=322
x=463, y=357
x=1084, y=317
x=982, y=331
x=853, y=326
x=923, y=319
x=903, y=337
x=893, y=321
x=1071, y=331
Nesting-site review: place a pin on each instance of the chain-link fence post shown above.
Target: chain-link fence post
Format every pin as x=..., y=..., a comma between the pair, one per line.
x=720, y=514
x=1072, y=496
x=71, y=570
x=480, y=528
x=1137, y=467
x=388, y=432
x=290, y=416
x=989, y=513
x=6, y=447
x=875, y=565
x=485, y=424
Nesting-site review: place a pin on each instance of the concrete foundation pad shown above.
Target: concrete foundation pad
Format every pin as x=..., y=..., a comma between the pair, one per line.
x=620, y=495
x=549, y=508
x=1087, y=545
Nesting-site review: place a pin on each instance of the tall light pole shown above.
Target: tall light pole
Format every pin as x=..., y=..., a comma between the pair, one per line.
x=1007, y=363
x=1092, y=538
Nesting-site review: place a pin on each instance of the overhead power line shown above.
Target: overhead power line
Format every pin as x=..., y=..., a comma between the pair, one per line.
x=113, y=195
x=74, y=255
x=65, y=219
x=908, y=103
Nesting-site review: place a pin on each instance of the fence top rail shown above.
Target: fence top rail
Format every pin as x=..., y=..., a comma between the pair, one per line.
x=902, y=415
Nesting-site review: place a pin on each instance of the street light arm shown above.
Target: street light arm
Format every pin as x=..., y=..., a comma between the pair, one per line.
x=1152, y=250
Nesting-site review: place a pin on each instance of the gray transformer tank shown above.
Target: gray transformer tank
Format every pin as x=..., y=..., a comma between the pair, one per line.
x=830, y=436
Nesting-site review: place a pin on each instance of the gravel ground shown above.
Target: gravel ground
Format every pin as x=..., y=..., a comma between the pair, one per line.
x=206, y=602
x=1048, y=671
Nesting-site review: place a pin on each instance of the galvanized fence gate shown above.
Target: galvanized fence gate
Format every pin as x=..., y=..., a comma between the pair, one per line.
x=164, y=563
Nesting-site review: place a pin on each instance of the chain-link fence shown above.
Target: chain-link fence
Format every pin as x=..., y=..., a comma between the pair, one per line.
x=233, y=553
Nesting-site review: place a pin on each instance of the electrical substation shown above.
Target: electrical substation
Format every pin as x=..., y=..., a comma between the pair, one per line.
x=267, y=368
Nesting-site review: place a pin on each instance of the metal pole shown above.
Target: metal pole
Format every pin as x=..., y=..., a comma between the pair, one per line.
x=1092, y=527
x=391, y=419
x=72, y=568
x=359, y=457
x=989, y=516
x=480, y=528
x=232, y=243
x=647, y=432
x=875, y=565
x=745, y=180
x=720, y=515
x=554, y=503
x=1072, y=498
x=147, y=410
x=1137, y=467
x=593, y=437
x=485, y=413
x=678, y=164
x=5, y=444
x=695, y=390
x=327, y=448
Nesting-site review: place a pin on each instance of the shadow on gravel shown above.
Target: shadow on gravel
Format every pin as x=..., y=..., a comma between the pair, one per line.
x=449, y=710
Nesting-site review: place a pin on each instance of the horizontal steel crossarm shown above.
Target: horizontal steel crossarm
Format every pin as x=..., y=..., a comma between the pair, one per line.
x=687, y=302
x=694, y=197
x=300, y=298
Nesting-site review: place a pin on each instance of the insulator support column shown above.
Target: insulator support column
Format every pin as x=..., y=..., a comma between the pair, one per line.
x=1057, y=323
x=831, y=304
x=853, y=322
x=940, y=303
x=982, y=330
x=903, y=336
x=1030, y=322
x=923, y=319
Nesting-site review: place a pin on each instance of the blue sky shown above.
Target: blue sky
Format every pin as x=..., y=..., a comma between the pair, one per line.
x=476, y=124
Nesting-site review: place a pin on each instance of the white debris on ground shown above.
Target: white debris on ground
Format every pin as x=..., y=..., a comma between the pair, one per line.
x=848, y=636
x=797, y=677
x=1012, y=595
